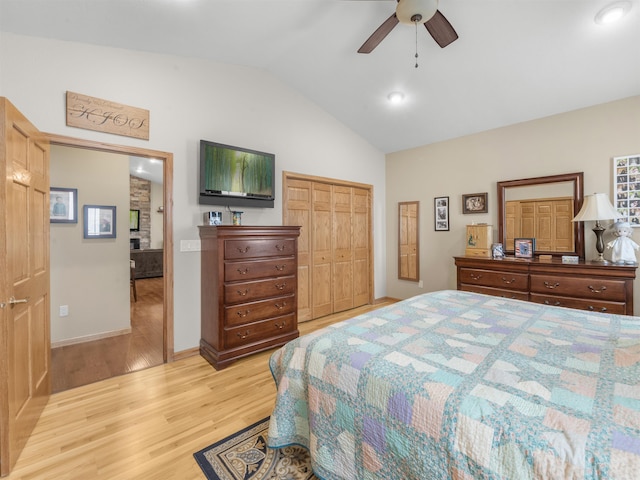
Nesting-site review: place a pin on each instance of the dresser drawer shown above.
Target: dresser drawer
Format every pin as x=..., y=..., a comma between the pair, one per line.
x=497, y=279
x=252, y=311
x=592, y=305
x=583, y=287
x=257, y=331
x=249, y=291
x=238, y=271
x=257, y=247
x=496, y=292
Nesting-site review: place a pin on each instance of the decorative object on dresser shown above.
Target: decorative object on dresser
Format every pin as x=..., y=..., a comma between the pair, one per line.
x=597, y=207
x=249, y=290
x=475, y=203
x=479, y=240
x=623, y=249
x=524, y=247
x=584, y=285
x=497, y=250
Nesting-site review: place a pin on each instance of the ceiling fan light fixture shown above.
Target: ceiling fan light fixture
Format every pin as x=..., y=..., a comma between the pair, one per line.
x=396, y=98
x=422, y=10
x=612, y=12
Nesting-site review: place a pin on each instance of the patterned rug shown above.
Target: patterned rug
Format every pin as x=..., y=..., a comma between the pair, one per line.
x=245, y=456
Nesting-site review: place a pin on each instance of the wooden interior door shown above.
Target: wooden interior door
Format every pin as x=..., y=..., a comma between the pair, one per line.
x=361, y=246
x=342, y=281
x=24, y=285
x=297, y=211
x=322, y=250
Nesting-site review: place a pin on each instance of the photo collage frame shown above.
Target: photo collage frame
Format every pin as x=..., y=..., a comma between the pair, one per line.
x=626, y=188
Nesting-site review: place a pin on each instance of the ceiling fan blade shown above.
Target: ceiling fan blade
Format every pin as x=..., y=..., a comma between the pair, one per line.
x=377, y=36
x=441, y=30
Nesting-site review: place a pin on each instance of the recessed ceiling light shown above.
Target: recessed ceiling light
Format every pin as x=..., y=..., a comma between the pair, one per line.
x=612, y=12
x=396, y=97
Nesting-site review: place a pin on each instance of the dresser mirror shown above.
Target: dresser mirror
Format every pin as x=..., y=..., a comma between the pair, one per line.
x=408, y=242
x=542, y=208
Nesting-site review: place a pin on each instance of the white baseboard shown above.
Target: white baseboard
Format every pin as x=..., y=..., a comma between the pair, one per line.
x=90, y=338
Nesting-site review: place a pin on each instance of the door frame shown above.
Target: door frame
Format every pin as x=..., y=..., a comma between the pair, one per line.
x=167, y=186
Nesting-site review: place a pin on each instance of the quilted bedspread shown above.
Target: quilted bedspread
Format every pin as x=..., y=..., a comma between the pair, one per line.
x=459, y=385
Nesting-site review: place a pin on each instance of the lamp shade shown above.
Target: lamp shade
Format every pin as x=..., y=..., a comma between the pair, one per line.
x=596, y=207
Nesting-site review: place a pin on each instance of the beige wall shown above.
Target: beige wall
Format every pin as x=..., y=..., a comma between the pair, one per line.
x=584, y=140
x=90, y=276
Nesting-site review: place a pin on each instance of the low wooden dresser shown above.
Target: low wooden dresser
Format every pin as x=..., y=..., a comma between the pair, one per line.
x=585, y=285
x=249, y=290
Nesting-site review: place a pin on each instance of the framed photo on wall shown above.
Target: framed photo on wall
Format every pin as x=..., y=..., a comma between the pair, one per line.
x=474, y=203
x=626, y=188
x=63, y=205
x=99, y=221
x=441, y=214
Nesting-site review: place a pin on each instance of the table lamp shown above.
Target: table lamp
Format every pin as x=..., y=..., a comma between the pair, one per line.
x=597, y=207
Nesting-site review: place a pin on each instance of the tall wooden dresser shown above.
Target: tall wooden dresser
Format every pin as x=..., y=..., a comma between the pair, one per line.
x=585, y=285
x=249, y=290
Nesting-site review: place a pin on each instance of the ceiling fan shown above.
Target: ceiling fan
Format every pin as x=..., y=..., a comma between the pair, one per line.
x=413, y=12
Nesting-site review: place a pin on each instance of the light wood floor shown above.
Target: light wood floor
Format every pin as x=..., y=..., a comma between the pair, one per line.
x=147, y=424
x=88, y=362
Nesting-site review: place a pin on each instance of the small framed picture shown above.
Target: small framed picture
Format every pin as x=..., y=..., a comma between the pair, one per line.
x=524, y=247
x=99, y=221
x=63, y=205
x=134, y=220
x=441, y=214
x=497, y=251
x=474, y=203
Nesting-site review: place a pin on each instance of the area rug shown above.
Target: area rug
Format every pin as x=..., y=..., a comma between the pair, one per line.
x=245, y=456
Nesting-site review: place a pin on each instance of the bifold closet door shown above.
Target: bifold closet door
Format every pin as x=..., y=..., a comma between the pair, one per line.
x=342, y=249
x=322, y=226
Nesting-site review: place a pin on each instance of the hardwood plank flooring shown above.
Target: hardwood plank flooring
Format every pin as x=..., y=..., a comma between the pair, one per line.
x=88, y=362
x=147, y=424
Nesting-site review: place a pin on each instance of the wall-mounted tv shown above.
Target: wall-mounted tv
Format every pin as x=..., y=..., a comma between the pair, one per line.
x=234, y=176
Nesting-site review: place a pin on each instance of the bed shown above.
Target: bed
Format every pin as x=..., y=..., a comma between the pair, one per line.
x=464, y=386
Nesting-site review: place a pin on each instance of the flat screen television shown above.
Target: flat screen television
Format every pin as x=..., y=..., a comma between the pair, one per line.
x=234, y=176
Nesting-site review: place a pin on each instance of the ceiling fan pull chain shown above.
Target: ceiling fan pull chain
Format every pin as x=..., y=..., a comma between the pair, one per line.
x=416, y=24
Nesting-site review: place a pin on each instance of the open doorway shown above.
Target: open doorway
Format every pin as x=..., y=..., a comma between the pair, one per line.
x=114, y=352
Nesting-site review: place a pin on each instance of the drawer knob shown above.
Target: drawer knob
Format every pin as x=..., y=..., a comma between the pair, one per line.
x=280, y=248
x=592, y=308
x=241, y=293
x=243, y=272
x=475, y=277
x=243, y=335
x=551, y=286
x=504, y=280
x=597, y=290
x=280, y=268
x=280, y=306
x=242, y=315
x=547, y=302
x=243, y=250
x=280, y=286
x=280, y=326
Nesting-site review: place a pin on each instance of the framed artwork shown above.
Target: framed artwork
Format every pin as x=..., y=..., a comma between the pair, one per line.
x=63, y=205
x=441, y=214
x=626, y=188
x=99, y=221
x=134, y=220
x=524, y=247
x=475, y=203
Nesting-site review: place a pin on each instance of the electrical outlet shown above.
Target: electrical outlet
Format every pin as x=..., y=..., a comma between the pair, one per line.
x=420, y=284
x=190, y=245
x=64, y=310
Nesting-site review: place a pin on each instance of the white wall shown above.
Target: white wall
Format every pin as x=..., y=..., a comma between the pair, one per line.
x=189, y=100
x=584, y=140
x=90, y=276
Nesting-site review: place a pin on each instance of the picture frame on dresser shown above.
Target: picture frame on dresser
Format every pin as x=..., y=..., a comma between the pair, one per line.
x=524, y=247
x=441, y=214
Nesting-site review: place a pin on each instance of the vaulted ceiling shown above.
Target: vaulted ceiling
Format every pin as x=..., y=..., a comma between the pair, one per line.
x=515, y=60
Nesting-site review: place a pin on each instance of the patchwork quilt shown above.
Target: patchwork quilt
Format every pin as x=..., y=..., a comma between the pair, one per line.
x=457, y=385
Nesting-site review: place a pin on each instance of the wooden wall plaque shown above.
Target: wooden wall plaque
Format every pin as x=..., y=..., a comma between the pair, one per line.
x=101, y=115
